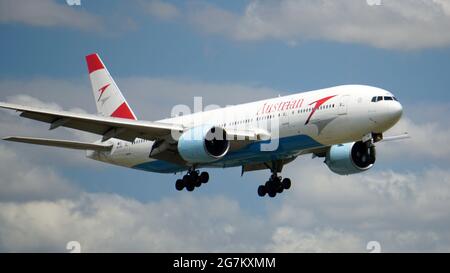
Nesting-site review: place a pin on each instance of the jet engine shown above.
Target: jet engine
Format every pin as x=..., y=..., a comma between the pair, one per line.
x=203, y=144
x=350, y=158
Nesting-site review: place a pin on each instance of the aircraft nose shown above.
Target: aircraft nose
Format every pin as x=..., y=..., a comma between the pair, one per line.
x=395, y=111
x=387, y=114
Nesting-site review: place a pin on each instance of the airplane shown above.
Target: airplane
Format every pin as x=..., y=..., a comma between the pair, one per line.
x=339, y=124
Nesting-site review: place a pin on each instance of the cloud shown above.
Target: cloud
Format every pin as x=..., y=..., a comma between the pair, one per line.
x=160, y=9
x=105, y=223
x=395, y=24
x=23, y=180
x=48, y=13
x=403, y=211
x=429, y=140
x=287, y=239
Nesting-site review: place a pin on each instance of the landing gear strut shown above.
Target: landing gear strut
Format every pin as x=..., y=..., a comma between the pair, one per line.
x=193, y=179
x=275, y=184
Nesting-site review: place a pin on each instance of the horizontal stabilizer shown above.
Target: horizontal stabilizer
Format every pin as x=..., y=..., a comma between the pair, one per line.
x=61, y=143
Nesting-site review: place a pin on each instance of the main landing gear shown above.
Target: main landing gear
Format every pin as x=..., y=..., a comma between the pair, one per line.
x=276, y=184
x=193, y=179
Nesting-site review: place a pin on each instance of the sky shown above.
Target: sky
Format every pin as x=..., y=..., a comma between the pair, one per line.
x=165, y=53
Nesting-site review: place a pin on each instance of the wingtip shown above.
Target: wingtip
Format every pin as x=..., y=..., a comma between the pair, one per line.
x=8, y=138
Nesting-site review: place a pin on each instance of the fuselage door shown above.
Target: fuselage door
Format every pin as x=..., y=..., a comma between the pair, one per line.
x=343, y=105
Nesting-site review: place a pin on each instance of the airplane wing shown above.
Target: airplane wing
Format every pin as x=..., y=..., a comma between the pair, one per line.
x=108, y=127
x=125, y=129
x=61, y=143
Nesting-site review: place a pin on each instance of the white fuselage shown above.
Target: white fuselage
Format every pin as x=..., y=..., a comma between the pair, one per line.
x=296, y=122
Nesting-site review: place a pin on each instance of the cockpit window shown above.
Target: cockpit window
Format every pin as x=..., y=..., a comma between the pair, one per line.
x=380, y=98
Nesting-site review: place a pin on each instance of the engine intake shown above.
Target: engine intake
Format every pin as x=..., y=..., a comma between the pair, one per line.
x=203, y=144
x=350, y=158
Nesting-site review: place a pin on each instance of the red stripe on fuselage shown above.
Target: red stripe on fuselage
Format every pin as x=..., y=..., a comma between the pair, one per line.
x=318, y=104
x=123, y=112
x=94, y=63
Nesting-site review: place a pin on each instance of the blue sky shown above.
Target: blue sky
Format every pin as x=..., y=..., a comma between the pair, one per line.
x=175, y=49
x=165, y=52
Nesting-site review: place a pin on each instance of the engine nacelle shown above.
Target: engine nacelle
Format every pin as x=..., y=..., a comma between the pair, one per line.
x=350, y=158
x=203, y=144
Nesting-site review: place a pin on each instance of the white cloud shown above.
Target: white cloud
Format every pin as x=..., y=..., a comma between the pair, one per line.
x=429, y=140
x=428, y=127
x=287, y=239
x=385, y=206
x=403, y=211
x=103, y=222
x=64, y=93
x=47, y=13
x=160, y=9
x=409, y=193
x=398, y=24
x=24, y=180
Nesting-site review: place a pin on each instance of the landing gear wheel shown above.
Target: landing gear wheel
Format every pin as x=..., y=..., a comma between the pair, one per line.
x=286, y=183
x=279, y=188
x=262, y=190
x=204, y=177
x=187, y=179
x=272, y=194
x=179, y=185
x=194, y=175
x=190, y=187
x=197, y=182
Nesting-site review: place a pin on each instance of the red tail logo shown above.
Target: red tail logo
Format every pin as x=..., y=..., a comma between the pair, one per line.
x=102, y=90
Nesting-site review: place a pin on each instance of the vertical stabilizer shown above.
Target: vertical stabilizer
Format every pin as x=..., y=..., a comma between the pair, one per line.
x=108, y=98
